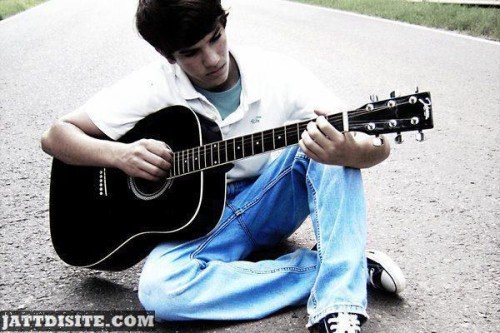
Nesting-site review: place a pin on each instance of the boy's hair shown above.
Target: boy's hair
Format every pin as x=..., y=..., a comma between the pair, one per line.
x=170, y=25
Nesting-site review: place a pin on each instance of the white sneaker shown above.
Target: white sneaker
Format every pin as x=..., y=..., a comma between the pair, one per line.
x=338, y=322
x=384, y=273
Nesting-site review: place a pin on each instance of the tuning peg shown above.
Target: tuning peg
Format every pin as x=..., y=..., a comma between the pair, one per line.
x=399, y=138
x=392, y=94
x=378, y=141
x=420, y=136
x=374, y=98
x=416, y=90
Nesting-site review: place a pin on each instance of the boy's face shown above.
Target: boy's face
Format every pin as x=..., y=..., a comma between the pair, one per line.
x=207, y=63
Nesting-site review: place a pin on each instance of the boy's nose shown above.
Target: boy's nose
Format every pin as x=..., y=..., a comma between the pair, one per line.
x=211, y=58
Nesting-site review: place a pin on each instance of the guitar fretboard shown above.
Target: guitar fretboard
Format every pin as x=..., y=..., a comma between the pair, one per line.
x=227, y=151
x=395, y=115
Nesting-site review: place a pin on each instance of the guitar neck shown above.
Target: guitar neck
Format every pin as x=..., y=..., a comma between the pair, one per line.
x=395, y=115
x=227, y=151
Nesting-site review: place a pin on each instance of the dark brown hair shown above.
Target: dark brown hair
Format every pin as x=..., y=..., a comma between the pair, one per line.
x=171, y=25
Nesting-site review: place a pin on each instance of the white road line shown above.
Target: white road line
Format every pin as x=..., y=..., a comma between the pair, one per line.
x=379, y=19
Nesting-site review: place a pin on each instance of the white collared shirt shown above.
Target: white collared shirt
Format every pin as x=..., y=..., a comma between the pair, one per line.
x=276, y=90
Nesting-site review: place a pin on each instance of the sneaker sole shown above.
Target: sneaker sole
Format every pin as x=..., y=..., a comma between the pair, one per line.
x=395, y=274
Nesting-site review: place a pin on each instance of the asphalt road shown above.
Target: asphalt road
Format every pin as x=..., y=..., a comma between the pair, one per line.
x=433, y=206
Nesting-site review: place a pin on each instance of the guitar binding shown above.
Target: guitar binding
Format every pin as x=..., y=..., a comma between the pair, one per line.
x=146, y=195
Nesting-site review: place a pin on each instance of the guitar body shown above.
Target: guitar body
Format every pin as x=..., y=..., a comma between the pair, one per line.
x=101, y=218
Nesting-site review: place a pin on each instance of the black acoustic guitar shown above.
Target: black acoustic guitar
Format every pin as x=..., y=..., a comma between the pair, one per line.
x=100, y=218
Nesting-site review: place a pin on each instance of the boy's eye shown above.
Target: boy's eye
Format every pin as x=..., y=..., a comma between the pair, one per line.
x=189, y=54
x=216, y=37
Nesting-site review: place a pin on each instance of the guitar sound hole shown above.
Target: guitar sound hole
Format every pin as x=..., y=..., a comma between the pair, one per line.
x=147, y=186
x=148, y=190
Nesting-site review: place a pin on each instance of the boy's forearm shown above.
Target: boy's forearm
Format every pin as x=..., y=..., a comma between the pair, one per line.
x=71, y=145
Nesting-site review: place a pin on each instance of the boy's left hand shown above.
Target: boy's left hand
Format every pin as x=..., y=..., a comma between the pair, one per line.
x=325, y=144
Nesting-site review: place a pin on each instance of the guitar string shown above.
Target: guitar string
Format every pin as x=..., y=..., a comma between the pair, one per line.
x=191, y=153
x=207, y=167
x=247, y=139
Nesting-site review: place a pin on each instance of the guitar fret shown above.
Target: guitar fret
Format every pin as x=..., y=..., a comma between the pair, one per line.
x=285, y=137
x=205, y=155
x=179, y=162
x=210, y=162
x=182, y=152
x=263, y=137
x=189, y=160
x=211, y=155
x=234, y=147
x=172, y=169
x=199, y=162
x=218, y=153
x=251, y=140
x=225, y=149
x=193, y=161
x=274, y=141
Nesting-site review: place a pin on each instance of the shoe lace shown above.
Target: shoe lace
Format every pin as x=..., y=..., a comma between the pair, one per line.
x=344, y=323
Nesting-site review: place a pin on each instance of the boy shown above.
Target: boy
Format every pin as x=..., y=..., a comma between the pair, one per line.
x=243, y=91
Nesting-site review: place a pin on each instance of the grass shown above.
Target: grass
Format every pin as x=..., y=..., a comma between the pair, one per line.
x=475, y=21
x=11, y=7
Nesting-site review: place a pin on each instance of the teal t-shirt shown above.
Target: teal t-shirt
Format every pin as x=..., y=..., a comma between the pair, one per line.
x=227, y=101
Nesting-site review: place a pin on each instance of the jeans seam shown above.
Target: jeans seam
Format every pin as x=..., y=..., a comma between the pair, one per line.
x=276, y=270
x=264, y=191
x=316, y=218
x=211, y=236
x=313, y=298
x=243, y=226
x=246, y=231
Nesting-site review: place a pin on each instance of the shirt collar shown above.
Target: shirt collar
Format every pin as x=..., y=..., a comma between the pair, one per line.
x=249, y=76
x=186, y=88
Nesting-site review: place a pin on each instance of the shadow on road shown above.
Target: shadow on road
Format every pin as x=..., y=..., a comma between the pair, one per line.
x=97, y=287
x=381, y=299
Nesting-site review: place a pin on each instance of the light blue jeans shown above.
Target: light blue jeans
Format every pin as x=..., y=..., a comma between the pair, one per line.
x=208, y=278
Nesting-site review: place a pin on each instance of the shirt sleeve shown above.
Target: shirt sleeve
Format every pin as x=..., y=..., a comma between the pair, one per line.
x=116, y=109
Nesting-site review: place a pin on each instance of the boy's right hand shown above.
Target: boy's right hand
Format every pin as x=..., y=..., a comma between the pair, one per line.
x=146, y=158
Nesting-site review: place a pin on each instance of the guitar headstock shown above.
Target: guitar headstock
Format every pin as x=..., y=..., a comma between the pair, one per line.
x=394, y=115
